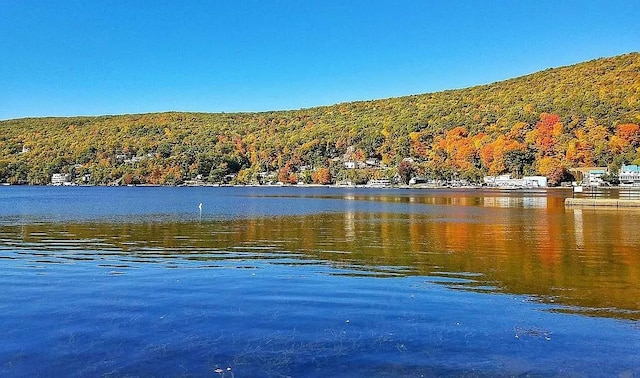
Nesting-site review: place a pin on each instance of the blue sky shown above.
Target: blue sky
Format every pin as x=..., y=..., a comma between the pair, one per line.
x=90, y=57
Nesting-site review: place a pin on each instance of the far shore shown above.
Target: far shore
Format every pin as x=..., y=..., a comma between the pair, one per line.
x=348, y=186
x=300, y=185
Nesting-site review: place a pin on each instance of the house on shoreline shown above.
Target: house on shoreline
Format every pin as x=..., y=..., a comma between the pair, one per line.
x=629, y=175
x=505, y=181
x=59, y=179
x=590, y=176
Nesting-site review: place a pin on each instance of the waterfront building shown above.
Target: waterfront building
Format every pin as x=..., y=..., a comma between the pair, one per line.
x=379, y=183
x=505, y=181
x=629, y=175
x=58, y=179
x=594, y=177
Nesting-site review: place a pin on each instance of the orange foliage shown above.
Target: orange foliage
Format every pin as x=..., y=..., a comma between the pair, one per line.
x=459, y=148
x=418, y=148
x=321, y=176
x=518, y=131
x=285, y=175
x=553, y=168
x=630, y=133
x=359, y=155
x=545, y=133
x=239, y=146
x=580, y=150
x=617, y=144
x=492, y=154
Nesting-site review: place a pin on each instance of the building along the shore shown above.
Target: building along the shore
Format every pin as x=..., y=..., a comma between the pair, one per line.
x=629, y=175
x=58, y=179
x=505, y=181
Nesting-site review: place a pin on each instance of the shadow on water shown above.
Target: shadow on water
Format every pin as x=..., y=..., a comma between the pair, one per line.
x=578, y=261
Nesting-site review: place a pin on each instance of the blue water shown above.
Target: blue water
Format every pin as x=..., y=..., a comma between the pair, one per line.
x=139, y=282
x=38, y=204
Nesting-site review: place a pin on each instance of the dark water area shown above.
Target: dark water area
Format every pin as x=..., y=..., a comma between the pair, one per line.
x=315, y=282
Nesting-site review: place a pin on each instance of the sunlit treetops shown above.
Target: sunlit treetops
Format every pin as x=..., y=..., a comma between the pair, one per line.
x=544, y=123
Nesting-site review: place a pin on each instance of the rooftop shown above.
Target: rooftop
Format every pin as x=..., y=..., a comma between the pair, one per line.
x=630, y=168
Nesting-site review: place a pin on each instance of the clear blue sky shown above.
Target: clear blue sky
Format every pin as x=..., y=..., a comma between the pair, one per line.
x=90, y=57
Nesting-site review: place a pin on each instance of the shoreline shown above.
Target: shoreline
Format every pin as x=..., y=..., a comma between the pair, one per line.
x=305, y=186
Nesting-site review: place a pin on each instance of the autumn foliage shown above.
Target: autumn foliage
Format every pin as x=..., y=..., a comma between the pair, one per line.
x=545, y=123
x=322, y=176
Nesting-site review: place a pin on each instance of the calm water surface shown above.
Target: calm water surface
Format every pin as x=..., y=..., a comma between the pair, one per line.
x=315, y=282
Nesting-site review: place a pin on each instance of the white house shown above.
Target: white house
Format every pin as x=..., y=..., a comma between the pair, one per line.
x=594, y=177
x=354, y=164
x=58, y=179
x=505, y=181
x=501, y=181
x=350, y=164
x=379, y=183
x=536, y=181
x=629, y=175
x=372, y=162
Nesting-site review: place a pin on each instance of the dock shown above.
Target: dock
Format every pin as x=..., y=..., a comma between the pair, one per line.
x=602, y=202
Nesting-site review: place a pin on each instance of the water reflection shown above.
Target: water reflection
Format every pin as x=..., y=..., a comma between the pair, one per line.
x=579, y=228
x=524, y=202
x=488, y=198
x=349, y=219
x=580, y=260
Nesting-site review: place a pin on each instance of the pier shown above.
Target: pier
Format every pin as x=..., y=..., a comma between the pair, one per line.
x=602, y=202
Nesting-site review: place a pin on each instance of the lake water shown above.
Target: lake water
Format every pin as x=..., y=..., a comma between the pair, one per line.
x=315, y=282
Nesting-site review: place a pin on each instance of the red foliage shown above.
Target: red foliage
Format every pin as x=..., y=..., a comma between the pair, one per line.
x=545, y=132
x=630, y=133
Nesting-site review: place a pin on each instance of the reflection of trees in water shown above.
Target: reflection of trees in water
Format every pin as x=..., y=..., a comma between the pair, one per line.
x=580, y=258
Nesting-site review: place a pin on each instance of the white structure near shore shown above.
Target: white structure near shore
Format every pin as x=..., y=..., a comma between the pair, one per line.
x=58, y=179
x=505, y=181
x=629, y=175
x=379, y=183
x=594, y=177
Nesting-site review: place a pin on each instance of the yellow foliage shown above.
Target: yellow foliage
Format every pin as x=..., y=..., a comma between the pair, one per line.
x=547, y=164
x=617, y=144
x=458, y=129
x=557, y=129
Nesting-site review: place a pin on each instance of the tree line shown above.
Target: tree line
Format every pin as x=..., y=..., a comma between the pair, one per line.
x=544, y=123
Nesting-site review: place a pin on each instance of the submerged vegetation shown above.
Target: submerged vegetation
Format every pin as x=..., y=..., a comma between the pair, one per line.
x=544, y=123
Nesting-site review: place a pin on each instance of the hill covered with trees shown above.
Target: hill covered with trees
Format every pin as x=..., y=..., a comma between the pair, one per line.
x=544, y=123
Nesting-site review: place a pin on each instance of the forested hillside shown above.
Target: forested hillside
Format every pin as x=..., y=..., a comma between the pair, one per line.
x=544, y=123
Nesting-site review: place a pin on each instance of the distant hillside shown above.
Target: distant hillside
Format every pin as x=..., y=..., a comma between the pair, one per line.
x=545, y=123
